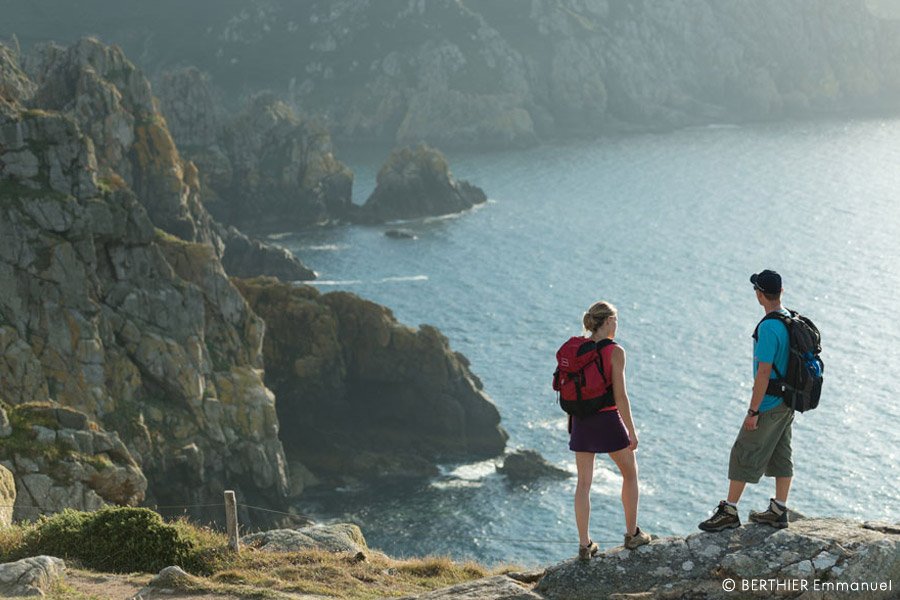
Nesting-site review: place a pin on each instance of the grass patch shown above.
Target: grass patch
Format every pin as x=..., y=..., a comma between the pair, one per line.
x=126, y=540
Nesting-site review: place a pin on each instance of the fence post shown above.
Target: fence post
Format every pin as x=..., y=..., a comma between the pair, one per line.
x=231, y=521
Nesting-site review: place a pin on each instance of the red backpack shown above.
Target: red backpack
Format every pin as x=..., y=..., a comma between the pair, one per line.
x=579, y=378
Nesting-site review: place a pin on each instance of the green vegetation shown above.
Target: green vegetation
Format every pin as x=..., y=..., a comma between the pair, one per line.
x=115, y=539
x=121, y=539
x=22, y=440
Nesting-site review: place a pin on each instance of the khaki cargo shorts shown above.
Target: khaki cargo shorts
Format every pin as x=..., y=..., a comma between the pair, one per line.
x=767, y=449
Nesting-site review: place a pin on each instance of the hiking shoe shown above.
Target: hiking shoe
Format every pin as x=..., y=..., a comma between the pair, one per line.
x=725, y=517
x=774, y=515
x=638, y=539
x=586, y=552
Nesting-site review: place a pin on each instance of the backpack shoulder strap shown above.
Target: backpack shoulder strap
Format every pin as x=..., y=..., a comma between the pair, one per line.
x=600, y=346
x=776, y=315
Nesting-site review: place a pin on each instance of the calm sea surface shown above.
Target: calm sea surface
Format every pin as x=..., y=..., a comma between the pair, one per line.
x=667, y=227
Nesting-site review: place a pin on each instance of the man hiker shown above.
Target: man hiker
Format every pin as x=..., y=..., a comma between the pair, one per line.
x=763, y=444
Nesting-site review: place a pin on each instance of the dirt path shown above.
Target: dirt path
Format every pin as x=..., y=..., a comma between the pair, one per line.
x=109, y=586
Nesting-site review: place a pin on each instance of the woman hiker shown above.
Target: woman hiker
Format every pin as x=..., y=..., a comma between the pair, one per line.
x=610, y=431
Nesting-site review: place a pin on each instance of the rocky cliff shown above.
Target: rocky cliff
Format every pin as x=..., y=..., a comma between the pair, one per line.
x=508, y=72
x=262, y=168
x=132, y=366
x=362, y=396
x=101, y=312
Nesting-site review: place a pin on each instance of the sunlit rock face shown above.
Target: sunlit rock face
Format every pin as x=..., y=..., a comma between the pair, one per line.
x=362, y=396
x=138, y=329
x=509, y=73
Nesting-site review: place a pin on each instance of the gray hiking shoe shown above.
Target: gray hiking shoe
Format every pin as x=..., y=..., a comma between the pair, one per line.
x=725, y=517
x=638, y=539
x=774, y=515
x=586, y=552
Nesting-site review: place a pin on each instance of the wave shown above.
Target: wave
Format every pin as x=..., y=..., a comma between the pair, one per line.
x=448, y=217
x=325, y=247
x=396, y=279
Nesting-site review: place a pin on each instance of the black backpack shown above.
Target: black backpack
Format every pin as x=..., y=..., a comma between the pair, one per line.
x=801, y=386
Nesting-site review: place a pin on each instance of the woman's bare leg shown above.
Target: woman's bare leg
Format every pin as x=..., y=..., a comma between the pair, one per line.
x=627, y=464
x=584, y=462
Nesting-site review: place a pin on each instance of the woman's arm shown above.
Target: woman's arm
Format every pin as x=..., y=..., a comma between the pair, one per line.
x=620, y=393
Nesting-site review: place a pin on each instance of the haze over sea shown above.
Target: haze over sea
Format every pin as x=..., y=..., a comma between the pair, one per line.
x=669, y=228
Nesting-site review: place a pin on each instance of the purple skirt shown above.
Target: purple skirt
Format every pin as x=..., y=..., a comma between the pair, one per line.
x=600, y=432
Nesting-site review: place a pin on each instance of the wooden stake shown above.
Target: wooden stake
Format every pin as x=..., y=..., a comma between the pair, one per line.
x=231, y=521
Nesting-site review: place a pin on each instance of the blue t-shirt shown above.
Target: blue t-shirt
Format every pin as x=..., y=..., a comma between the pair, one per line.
x=772, y=346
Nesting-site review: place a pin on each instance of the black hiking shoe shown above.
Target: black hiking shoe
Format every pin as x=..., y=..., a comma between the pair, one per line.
x=725, y=517
x=774, y=516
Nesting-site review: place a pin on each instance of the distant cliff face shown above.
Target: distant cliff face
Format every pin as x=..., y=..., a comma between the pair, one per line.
x=508, y=72
x=262, y=168
x=102, y=312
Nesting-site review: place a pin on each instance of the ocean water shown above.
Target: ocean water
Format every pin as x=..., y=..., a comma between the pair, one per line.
x=668, y=227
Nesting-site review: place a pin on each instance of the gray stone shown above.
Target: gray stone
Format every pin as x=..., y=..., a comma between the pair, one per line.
x=30, y=576
x=341, y=537
x=43, y=435
x=5, y=426
x=491, y=588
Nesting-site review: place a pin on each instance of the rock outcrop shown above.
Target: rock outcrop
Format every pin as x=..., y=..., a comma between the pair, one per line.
x=524, y=466
x=504, y=74
x=340, y=537
x=264, y=168
x=60, y=459
x=138, y=329
x=826, y=551
x=30, y=576
x=344, y=369
x=416, y=182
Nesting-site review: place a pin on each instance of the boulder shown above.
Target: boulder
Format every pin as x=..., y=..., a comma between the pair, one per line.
x=500, y=587
x=341, y=537
x=416, y=182
x=527, y=465
x=823, y=549
x=30, y=576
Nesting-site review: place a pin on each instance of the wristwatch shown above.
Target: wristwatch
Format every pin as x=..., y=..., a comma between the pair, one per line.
x=752, y=413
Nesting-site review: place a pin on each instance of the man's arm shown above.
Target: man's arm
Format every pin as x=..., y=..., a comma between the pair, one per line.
x=760, y=385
